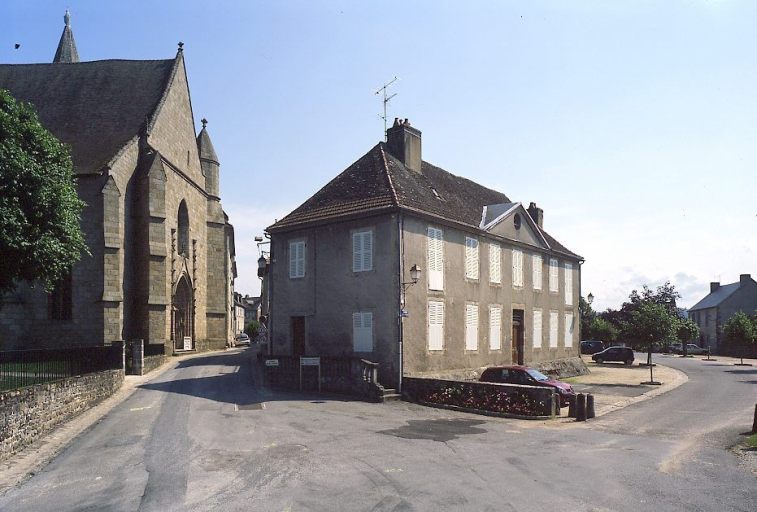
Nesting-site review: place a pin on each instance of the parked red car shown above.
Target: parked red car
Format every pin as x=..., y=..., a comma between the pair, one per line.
x=526, y=376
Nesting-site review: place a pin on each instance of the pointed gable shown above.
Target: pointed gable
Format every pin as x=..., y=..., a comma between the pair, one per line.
x=95, y=107
x=512, y=221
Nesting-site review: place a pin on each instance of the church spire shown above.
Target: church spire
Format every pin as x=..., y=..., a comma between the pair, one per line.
x=67, y=46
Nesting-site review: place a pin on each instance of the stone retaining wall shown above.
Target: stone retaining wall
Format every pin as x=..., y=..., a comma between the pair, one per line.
x=151, y=363
x=502, y=399
x=560, y=368
x=27, y=414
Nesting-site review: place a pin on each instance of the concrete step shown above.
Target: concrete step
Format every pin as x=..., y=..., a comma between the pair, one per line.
x=391, y=397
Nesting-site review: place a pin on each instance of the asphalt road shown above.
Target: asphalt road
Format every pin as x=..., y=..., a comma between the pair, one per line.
x=205, y=436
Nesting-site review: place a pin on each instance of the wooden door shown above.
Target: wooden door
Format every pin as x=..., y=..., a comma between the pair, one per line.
x=298, y=336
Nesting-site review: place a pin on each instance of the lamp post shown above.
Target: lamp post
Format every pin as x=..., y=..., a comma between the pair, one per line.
x=590, y=298
x=415, y=274
x=264, y=269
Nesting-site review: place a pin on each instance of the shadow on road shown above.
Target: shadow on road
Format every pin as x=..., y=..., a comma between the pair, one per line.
x=243, y=387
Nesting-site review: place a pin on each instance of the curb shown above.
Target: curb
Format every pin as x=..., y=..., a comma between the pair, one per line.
x=30, y=460
x=680, y=379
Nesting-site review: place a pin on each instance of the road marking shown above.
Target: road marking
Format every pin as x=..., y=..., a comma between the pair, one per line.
x=133, y=409
x=98, y=478
x=393, y=470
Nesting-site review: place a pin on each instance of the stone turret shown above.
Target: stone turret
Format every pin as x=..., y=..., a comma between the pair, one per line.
x=208, y=161
x=66, y=52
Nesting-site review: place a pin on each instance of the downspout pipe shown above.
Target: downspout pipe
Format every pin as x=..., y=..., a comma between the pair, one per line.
x=401, y=273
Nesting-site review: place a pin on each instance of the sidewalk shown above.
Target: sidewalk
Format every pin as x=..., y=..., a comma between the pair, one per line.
x=33, y=458
x=615, y=385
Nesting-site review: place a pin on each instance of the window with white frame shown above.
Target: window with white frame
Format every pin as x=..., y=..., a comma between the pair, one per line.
x=471, y=258
x=297, y=259
x=553, y=319
x=471, y=327
x=568, y=284
x=536, y=265
x=362, y=331
x=568, y=330
x=495, y=327
x=537, y=334
x=435, y=325
x=517, y=268
x=495, y=263
x=554, y=275
x=362, y=250
x=435, y=259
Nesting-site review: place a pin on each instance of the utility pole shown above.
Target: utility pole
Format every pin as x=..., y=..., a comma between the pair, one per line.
x=382, y=90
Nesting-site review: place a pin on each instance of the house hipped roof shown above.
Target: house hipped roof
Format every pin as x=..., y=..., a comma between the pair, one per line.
x=378, y=181
x=715, y=298
x=95, y=107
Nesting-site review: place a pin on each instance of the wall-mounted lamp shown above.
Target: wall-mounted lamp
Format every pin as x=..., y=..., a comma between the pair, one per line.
x=415, y=274
x=590, y=298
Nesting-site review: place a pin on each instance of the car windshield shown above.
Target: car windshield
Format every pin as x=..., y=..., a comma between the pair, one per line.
x=537, y=375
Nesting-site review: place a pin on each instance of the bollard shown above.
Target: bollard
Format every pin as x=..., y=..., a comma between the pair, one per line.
x=589, y=406
x=555, y=405
x=754, y=423
x=580, y=407
x=572, y=407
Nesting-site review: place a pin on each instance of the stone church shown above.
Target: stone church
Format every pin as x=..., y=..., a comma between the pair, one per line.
x=161, y=264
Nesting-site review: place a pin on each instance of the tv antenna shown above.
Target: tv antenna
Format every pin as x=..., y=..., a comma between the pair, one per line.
x=382, y=90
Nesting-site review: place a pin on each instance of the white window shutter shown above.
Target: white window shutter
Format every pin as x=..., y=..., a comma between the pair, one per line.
x=362, y=331
x=537, y=334
x=568, y=284
x=297, y=259
x=536, y=263
x=368, y=250
x=292, y=259
x=553, y=319
x=517, y=268
x=357, y=256
x=435, y=325
x=471, y=327
x=495, y=328
x=495, y=263
x=435, y=259
x=471, y=258
x=300, y=259
x=553, y=275
x=568, y=330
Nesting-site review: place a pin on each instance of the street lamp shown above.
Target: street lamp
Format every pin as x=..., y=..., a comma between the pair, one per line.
x=415, y=274
x=590, y=298
x=262, y=266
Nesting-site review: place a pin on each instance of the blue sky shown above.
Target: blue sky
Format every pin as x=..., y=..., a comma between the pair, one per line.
x=633, y=124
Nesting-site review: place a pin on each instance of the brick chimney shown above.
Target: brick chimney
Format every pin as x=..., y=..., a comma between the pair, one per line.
x=714, y=286
x=744, y=279
x=404, y=142
x=537, y=214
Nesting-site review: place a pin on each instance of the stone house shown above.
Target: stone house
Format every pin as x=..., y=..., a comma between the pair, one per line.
x=723, y=301
x=494, y=287
x=161, y=266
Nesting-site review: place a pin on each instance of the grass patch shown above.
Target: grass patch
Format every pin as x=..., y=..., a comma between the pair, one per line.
x=751, y=441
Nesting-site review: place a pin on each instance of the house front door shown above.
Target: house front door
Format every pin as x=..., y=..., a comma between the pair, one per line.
x=298, y=335
x=518, y=342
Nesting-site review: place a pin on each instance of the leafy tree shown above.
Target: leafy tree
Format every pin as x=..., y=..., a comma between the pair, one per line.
x=604, y=330
x=686, y=331
x=40, y=236
x=649, y=323
x=587, y=316
x=739, y=331
x=252, y=329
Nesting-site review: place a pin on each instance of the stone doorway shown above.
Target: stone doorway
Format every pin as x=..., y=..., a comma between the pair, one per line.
x=182, y=321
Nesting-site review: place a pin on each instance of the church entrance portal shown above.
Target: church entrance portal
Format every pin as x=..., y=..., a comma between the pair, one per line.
x=183, y=314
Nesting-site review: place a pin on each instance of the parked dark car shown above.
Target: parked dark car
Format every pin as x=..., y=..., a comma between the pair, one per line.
x=526, y=376
x=592, y=346
x=620, y=354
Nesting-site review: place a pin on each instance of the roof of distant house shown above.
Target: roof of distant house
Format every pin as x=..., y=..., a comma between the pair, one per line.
x=378, y=181
x=95, y=107
x=714, y=299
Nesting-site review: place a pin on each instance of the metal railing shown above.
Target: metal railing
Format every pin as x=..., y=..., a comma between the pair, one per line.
x=22, y=368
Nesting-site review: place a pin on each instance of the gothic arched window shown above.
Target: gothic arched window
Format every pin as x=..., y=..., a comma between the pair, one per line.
x=183, y=229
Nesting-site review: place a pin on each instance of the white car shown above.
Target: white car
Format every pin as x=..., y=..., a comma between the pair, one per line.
x=242, y=339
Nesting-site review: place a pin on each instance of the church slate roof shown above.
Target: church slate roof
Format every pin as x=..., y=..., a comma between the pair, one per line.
x=66, y=51
x=95, y=107
x=205, y=146
x=378, y=182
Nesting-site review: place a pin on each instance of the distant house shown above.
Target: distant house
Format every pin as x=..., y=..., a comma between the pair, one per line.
x=494, y=287
x=719, y=305
x=251, y=309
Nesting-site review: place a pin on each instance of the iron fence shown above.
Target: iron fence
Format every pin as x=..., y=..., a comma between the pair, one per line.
x=22, y=368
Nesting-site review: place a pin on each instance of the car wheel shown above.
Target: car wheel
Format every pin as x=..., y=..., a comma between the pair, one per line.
x=599, y=360
x=629, y=362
